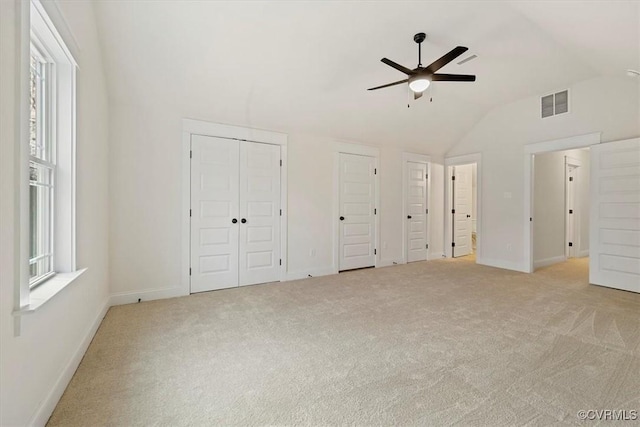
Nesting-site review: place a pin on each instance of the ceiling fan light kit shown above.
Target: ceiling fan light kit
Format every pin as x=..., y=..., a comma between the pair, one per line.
x=420, y=78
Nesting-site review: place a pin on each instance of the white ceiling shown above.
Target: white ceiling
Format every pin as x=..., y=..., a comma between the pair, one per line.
x=305, y=66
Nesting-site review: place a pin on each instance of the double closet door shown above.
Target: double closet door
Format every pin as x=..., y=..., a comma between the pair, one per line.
x=235, y=213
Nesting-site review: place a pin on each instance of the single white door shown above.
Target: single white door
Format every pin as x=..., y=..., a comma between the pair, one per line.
x=214, y=213
x=356, y=209
x=571, y=241
x=259, y=213
x=614, y=221
x=462, y=208
x=416, y=208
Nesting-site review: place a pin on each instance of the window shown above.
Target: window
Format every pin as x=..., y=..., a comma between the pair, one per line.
x=42, y=170
x=47, y=159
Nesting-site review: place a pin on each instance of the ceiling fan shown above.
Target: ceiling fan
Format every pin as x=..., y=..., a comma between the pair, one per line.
x=421, y=77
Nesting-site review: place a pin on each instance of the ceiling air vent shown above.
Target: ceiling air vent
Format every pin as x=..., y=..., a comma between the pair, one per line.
x=554, y=104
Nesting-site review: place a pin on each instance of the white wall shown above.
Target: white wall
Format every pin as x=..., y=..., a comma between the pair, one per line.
x=145, y=189
x=37, y=364
x=549, y=206
x=607, y=104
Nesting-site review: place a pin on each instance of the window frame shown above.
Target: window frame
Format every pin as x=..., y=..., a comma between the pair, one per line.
x=39, y=24
x=46, y=138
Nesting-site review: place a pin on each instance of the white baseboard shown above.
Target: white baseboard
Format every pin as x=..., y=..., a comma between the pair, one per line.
x=506, y=265
x=549, y=261
x=583, y=253
x=435, y=255
x=147, y=295
x=45, y=410
x=314, y=272
x=390, y=262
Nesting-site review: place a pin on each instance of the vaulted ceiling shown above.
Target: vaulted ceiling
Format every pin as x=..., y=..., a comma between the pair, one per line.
x=305, y=66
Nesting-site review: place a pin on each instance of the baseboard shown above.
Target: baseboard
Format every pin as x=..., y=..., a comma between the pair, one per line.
x=549, y=261
x=314, y=272
x=583, y=253
x=45, y=410
x=390, y=262
x=506, y=265
x=435, y=255
x=148, y=295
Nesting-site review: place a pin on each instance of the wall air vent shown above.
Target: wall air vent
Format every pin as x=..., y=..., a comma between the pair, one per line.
x=554, y=104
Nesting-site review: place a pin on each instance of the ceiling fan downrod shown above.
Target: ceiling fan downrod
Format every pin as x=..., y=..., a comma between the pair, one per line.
x=419, y=38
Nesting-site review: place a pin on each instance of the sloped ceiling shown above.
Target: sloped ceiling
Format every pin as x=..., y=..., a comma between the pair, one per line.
x=305, y=66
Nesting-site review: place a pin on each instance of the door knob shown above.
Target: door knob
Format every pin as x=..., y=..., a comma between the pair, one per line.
x=243, y=220
x=341, y=218
x=408, y=216
x=234, y=220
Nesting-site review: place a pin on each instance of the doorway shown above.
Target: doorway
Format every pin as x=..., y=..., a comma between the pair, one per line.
x=560, y=206
x=463, y=211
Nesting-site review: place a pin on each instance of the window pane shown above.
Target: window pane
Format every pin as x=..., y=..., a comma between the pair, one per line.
x=39, y=143
x=40, y=220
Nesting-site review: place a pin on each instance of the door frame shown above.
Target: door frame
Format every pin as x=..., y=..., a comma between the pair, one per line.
x=360, y=150
x=569, y=161
x=448, y=224
x=415, y=158
x=562, y=144
x=198, y=127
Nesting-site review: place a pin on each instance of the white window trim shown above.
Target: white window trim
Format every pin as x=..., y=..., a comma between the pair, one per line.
x=32, y=15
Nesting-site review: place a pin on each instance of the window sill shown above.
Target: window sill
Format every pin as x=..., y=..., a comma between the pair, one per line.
x=46, y=291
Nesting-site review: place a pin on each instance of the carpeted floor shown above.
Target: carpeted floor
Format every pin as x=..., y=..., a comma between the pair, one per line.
x=430, y=343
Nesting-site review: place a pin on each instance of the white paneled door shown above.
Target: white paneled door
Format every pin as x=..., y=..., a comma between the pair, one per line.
x=260, y=213
x=215, y=197
x=416, y=208
x=614, y=238
x=235, y=213
x=462, y=205
x=571, y=240
x=356, y=210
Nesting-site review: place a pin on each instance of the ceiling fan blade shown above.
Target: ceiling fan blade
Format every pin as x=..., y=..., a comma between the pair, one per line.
x=453, y=78
x=417, y=95
x=398, y=67
x=436, y=65
x=390, y=84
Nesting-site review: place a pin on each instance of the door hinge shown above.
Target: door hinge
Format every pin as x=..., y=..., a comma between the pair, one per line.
x=189, y=271
x=375, y=211
x=375, y=171
x=375, y=252
x=191, y=154
x=280, y=212
x=426, y=176
x=453, y=178
x=453, y=244
x=453, y=211
x=190, y=212
x=280, y=261
x=426, y=211
x=570, y=243
x=280, y=162
x=427, y=246
x=530, y=219
x=570, y=178
x=570, y=211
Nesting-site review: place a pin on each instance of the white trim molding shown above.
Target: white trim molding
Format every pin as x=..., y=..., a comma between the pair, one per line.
x=198, y=127
x=562, y=144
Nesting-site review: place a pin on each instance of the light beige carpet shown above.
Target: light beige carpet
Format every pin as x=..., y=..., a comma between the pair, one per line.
x=431, y=343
